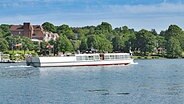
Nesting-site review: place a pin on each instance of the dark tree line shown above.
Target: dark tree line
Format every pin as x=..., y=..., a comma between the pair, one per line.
x=104, y=38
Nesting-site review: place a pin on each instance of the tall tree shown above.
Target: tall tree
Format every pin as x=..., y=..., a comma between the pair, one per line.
x=49, y=27
x=176, y=32
x=173, y=48
x=100, y=43
x=117, y=43
x=66, y=30
x=160, y=44
x=105, y=29
x=83, y=45
x=145, y=41
x=3, y=45
x=65, y=44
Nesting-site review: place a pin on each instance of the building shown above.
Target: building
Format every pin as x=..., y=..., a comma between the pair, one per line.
x=35, y=32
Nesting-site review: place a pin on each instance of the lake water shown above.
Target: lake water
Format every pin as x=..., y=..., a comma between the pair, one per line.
x=148, y=82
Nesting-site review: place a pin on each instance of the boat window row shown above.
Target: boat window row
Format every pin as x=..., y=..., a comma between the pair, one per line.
x=87, y=58
x=114, y=57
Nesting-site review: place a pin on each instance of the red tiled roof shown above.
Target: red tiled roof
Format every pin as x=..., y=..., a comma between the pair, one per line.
x=16, y=27
x=20, y=27
x=37, y=27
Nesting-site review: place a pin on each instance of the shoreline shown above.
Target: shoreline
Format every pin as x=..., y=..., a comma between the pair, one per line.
x=152, y=57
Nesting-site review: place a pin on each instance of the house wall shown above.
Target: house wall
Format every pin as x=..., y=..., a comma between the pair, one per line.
x=20, y=33
x=37, y=34
x=32, y=32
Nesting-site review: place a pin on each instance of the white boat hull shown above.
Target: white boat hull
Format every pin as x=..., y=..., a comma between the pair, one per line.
x=56, y=62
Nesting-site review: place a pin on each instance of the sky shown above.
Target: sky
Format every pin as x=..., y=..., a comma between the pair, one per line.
x=137, y=14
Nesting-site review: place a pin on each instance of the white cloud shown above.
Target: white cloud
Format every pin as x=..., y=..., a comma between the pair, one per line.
x=157, y=8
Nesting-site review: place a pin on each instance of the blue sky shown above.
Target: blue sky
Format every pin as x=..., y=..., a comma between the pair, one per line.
x=137, y=14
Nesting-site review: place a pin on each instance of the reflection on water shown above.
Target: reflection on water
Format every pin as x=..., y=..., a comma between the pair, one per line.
x=149, y=82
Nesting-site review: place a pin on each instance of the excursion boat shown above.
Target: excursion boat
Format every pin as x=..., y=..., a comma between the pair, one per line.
x=94, y=59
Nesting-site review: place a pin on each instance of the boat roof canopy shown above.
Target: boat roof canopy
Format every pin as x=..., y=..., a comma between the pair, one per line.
x=116, y=54
x=94, y=54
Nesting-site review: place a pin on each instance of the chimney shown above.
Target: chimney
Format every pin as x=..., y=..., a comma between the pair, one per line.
x=27, y=30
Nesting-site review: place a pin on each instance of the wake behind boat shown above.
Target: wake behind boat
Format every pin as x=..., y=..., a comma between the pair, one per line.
x=94, y=59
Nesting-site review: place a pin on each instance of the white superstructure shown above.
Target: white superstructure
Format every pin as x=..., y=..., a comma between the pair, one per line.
x=94, y=59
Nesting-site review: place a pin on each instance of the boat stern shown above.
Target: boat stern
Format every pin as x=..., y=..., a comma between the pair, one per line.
x=33, y=61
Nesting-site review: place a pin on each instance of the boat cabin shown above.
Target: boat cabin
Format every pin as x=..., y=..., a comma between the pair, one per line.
x=87, y=57
x=116, y=56
x=106, y=56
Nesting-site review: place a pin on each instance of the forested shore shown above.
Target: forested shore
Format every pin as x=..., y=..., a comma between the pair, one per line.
x=103, y=38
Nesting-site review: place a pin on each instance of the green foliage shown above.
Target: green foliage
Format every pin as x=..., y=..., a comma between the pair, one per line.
x=117, y=43
x=25, y=42
x=105, y=29
x=66, y=30
x=49, y=27
x=101, y=37
x=173, y=48
x=100, y=43
x=4, y=30
x=176, y=32
x=76, y=44
x=3, y=45
x=83, y=45
x=145, y=41
x=65, y=44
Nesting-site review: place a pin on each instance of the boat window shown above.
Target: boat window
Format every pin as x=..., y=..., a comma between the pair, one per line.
x=97, y=57
x=106, y=57
x=111, y=56
x=126, y=56
x=79, y=58
x=116, y=57
x=90, y=57
x=85, y=57
x=122, y=56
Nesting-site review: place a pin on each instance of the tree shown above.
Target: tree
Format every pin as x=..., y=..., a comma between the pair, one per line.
x=54, y=46
x=49, y=27
x=100, y=43
x=27, y=44
x=128, y=37
x=124, y=39
x=83, y=45
x=154, y=32
x=44, y=49
x=145, y=41
x=104, y=44
x=160, y=44
x=11, y=41
x=117, y=43
x=176, y=32
x=65, y=45
x=3, y=45
x=66, y=30
x=4, y=30
x=76, y=44
x=173, y=48
x=105, y=29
